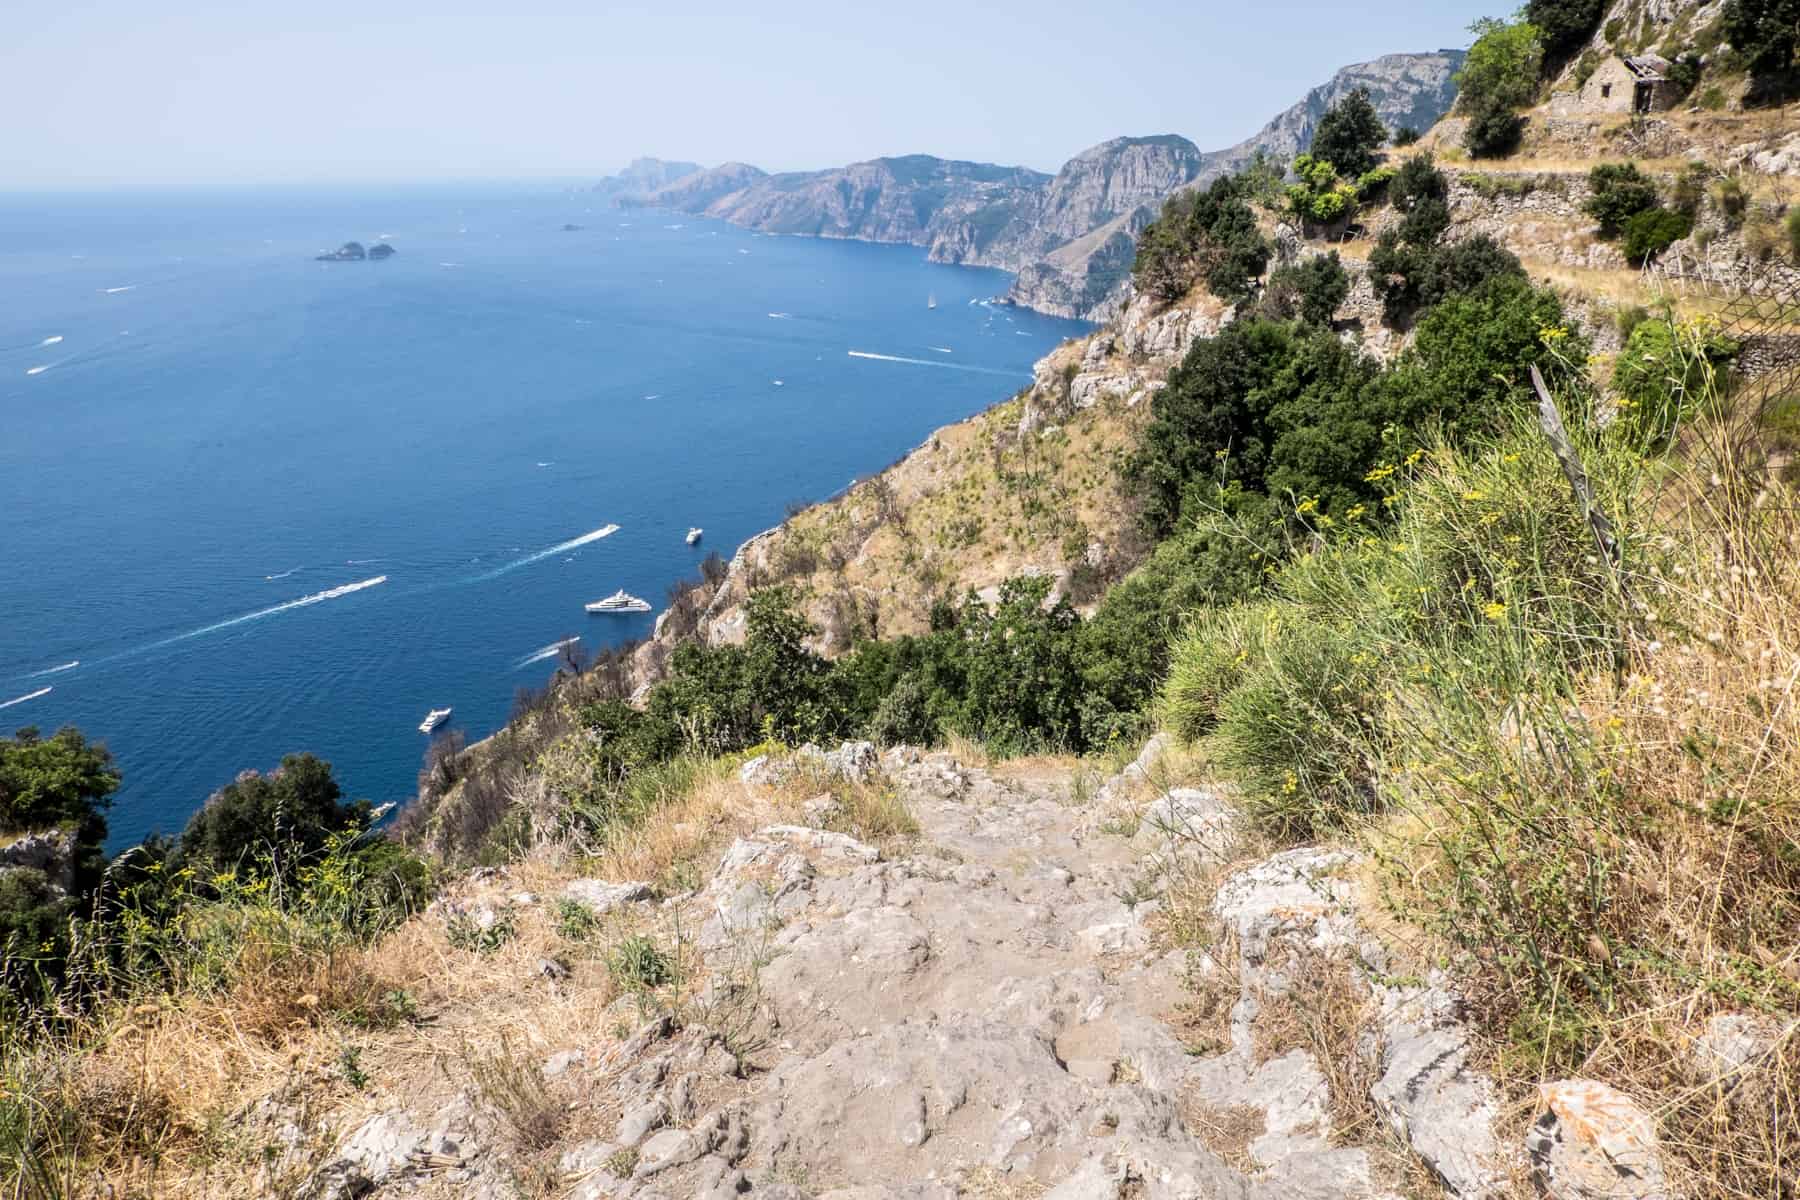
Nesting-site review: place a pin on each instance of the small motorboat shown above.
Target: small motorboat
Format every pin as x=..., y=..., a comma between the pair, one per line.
x=433, y=719
x=694, y=535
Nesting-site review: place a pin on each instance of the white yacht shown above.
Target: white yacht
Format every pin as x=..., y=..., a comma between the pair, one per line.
x=620, y=602
x=693, y=537
x=433, y=719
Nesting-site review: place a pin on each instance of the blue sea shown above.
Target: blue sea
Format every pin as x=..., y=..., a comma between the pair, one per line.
x=253, y=504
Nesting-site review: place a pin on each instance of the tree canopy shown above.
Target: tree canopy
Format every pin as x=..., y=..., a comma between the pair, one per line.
x=1349, y=134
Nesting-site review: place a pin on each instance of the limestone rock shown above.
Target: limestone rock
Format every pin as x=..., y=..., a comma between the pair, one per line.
x=1430, y=1095
x=1593, y=1142
x=602, y=897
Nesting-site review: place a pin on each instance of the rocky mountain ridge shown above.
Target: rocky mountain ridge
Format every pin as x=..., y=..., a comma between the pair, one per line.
x=1068, y=237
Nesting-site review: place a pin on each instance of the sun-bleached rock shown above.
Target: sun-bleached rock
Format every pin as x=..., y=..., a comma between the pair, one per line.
x=1593, y=1142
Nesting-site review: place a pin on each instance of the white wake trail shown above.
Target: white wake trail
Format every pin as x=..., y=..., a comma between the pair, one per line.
x=550, y=651
x=559, y=548
x=926, y=362
x=272, y=610
x=57, y=670
x=23, y=699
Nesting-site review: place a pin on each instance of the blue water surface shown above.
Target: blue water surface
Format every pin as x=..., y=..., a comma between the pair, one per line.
x=229, y=437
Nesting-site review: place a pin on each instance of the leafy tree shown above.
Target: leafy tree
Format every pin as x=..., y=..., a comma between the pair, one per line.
x=1406, y=135
x=1412, y=270
x=1310, y=290
x=1349, y=134
x=63, y=781
x=1502, y=67
x=1417, y=179
x=1566, y=25
x=1023, y=687
x=1205, y=236
x=1765, y=32
x=1618, y=192
x=1499, y=77
x=270, y=823
x=1204, y=428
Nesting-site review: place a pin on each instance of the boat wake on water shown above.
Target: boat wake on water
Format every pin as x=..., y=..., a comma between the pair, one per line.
x=548, y=652
x=23, y=699
x=274, y=609
x=926, y=362
x=548, y=552
x=56, y=670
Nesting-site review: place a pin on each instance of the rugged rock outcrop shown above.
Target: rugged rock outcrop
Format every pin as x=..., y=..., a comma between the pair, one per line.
x=645, y=175
x=1070, y=237
x=910, y=199
x=697, y=192
x=1085, y=276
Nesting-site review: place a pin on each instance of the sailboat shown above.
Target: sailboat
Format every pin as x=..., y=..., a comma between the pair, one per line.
x=931, y=300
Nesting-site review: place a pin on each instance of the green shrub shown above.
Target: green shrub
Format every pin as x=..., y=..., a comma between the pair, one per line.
x=1406, y=135
x=637, y=965
x=1417, y=179
x=1310, y=290
x=1218, y=557
x=1349, y=134
x=1648, y=234
x=904, y=717
x=1619, y=192
x=1733, y=200
x=1319, y=196
x=266, y=825
x=1205, y=236
x=1469, y=362
x=1713, y=99
x=1667, y=370
x=1690, y=189
x=1793, y=233
x=1494, y=130
x=1295, y=728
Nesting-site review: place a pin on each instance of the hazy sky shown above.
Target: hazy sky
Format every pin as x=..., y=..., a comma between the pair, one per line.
x=120, y=91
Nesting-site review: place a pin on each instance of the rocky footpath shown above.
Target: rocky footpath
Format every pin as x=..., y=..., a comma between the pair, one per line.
x=1001, y=1006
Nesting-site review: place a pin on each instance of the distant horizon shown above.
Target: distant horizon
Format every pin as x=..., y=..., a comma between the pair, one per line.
x=577, y=179
x=191, y=94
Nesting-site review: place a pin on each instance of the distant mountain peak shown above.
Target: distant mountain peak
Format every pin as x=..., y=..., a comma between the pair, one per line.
x=1070, y=237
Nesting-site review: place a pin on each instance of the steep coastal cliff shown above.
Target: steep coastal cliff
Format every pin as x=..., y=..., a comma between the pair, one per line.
x=1069, y=237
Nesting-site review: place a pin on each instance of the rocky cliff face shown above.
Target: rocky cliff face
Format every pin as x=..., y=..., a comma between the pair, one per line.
x=698, y=192
x=907, y=200
x=1093, y=189
x=1085, y=276
x=1070, y=237
x=645, y=175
